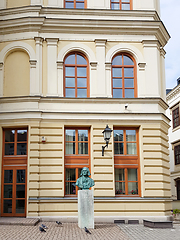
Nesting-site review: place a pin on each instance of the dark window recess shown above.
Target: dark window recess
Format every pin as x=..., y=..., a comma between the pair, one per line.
x=177, y=154
x=178, y=190
x=175, y=115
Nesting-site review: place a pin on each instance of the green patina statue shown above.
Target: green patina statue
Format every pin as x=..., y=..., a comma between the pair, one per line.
x=85, y=182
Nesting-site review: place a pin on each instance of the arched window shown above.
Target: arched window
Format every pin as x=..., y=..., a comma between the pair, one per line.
x=75, y=4
x=121, y=4
x=124, y=76
x=76, y=76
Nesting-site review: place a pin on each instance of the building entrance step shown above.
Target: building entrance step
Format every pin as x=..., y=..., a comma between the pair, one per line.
x=19, y=221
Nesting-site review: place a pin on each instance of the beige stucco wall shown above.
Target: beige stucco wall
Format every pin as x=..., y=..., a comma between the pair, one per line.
x=46, y=171
x=16, y=74
x=17, y=3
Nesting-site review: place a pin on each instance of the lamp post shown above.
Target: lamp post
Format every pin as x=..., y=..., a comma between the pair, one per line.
x=107, y=135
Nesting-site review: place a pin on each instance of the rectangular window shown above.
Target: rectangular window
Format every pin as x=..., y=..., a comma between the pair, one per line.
x=15, y=142
x=177, y=154
x=178, y=189
x=76, y=156
x=121, y=4
x=175, y=115
x=126, y=162
x=81, y=4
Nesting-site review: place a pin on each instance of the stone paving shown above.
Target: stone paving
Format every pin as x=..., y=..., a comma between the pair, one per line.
x=102, y=231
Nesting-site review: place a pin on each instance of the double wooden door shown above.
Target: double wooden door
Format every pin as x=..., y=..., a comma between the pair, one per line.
x=14, y=191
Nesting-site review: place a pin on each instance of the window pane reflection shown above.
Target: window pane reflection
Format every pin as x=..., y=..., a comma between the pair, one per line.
x=120, y=188
x=7, y=191
x=20, y=191
x=21, y=149
x=119, y=174
x=70, y=148
x=21, y=135
x=70, y=174
x=70, y=188
x=20, y=176
x=118, y=148
x=82, y=148
x=9, y=148
x=132, y=188
x=8, y=176
x=7, y=208
x=9, y=135
x=20, y=206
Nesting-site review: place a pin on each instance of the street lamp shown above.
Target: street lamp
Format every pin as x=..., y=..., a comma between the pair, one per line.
x=107, y=135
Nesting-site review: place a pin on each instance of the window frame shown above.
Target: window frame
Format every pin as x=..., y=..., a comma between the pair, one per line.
x=177, y=150
x=12, y=159
x=76, y=66
x=120, y=2
x=85, y=3
x=175, y=116
x=123, y=77
x=75, y=161
x=127, y=161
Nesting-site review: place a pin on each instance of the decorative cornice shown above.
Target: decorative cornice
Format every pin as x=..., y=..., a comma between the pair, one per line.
x=174, y=93
x=94, y=22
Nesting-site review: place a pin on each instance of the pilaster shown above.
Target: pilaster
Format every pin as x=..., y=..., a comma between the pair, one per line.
x=52, y=78
x=100, y=56
x=2, y=4
x=1, y=79
x=39, y=65
x=36, y=2
x=60, y=78
x=33, y=77
x=108, y=79
x=93, y=79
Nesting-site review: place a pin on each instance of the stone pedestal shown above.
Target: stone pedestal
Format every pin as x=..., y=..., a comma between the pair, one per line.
x=85, y=209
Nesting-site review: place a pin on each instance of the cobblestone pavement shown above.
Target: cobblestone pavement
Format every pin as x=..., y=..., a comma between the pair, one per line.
x=102, y=231
x=139, y=232
x=66, y=231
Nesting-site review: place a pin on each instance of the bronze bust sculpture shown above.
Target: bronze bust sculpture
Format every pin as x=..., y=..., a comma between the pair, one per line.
x=85, y=182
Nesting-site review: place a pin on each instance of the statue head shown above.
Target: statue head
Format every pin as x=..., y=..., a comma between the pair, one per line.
x=85, y=172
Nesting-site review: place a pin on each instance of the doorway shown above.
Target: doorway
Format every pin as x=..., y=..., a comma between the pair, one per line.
x=14, y=173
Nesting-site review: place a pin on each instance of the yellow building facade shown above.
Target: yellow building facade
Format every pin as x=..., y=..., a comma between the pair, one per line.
x=68, y=69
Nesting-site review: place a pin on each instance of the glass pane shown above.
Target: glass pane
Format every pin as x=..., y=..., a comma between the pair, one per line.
x=117, y=60
x=7, y=191
x=120, y=188
x=131, y=135
x=117, y=72
x=129, y=83
x=69, y=5
x=21, y=135
x=70, y=174
x=118, y=135
x=70, y=188
x=70, y=82
x=70, y=135
x=82, y=93
x=20, y=176
x=115, y=6
x=79, y=5
x=70, y=148
x=132, y=174
x=70, y=59
x=9, y=149
x=8, y=176
x=70, y=92
x=82, y=148
x=128, y=72
x=129, y=93
x=21, y=149
x=119, y=174
x=118, y=148
x=132, y=188
x=117, y=93
x=20, y=191
x=70, y=71
x=128, y=61
x=20, y=206
x=131, y=148
x=125, y=6
x=117, y=83
x=125, y=1
x=79, y=172
x=9, y=135
x=82, y=82
x=81, y=71
x=7, y=206
x=81, y=60
x=82, y=135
